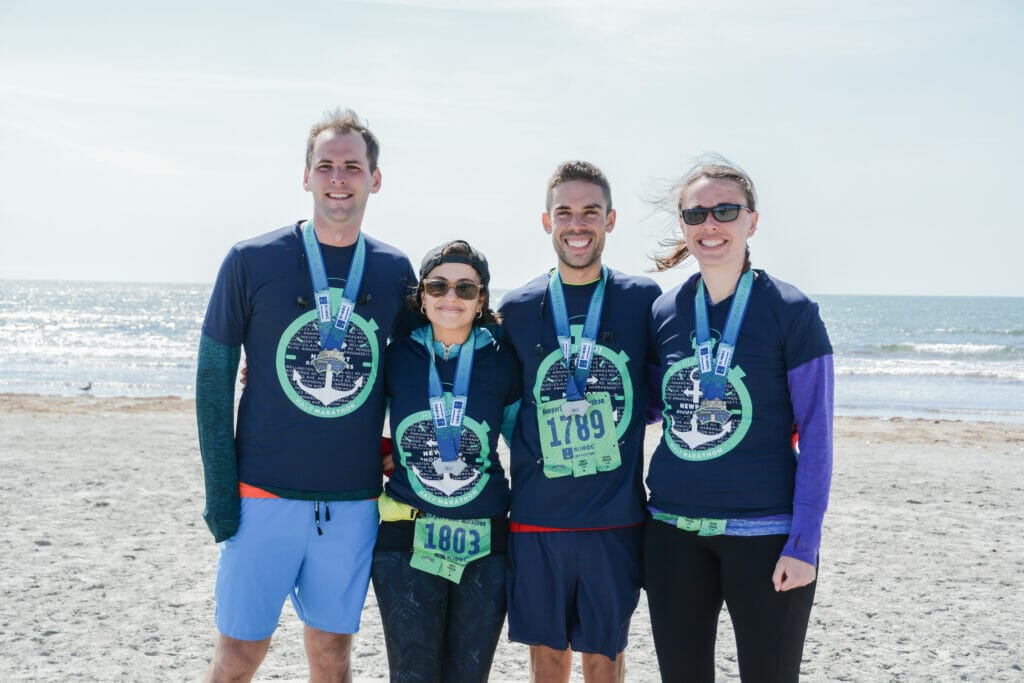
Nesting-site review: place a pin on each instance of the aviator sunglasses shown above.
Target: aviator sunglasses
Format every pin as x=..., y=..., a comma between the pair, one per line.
x=464, y=289
x=723, y=213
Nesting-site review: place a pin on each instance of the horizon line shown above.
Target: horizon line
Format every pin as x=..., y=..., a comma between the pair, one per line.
x=493, y=288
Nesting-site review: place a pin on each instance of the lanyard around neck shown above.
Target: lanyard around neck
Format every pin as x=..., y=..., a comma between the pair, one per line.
x=576, y=383
x=333, y=328
x=712, y=378
x=448, y=424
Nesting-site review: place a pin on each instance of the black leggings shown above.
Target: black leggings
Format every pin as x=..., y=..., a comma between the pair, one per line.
x=687, y=578
x=436, y=631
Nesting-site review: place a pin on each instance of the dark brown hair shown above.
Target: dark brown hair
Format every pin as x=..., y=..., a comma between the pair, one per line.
x=579, y=170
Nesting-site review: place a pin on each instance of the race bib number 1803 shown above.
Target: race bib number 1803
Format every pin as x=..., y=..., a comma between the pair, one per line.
x=443, y=547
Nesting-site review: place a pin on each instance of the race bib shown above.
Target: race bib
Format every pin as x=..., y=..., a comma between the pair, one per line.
x=578, y=442
x=703, y=526
x=443, y=547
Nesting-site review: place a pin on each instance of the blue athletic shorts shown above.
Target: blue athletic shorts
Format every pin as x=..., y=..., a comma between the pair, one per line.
x=576, y=588
x=277, y=552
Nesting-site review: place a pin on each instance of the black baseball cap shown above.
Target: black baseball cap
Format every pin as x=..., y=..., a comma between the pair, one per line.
x=456, y=251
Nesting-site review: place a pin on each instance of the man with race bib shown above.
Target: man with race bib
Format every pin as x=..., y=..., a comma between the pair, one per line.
x=577, y=510
x=291, y=491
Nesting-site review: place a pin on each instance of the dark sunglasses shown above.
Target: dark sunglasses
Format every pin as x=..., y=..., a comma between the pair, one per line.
x=464, y=289
x=723, y=213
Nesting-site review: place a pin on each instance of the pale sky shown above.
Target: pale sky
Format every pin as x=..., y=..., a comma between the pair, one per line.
x=139, y=141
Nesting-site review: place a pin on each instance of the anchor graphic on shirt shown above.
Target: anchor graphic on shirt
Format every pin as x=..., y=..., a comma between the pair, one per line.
x=327, y=394
x=447, y=484
x=694, y=438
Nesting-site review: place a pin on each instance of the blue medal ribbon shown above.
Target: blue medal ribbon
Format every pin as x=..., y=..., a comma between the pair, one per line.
x=712, y=374
x=448, y=424
x=576, y=383
x=333, y=327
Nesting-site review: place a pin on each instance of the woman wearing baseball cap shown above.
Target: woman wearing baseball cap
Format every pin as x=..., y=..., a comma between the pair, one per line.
x=439, y=562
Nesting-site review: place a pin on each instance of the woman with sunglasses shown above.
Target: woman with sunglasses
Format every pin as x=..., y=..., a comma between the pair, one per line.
x=736, y=497
x=439, y=562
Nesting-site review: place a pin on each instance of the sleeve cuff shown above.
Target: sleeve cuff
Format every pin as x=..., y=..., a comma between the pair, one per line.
x=805, y=534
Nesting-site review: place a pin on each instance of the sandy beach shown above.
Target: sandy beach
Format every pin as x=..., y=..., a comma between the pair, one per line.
x=108, y=568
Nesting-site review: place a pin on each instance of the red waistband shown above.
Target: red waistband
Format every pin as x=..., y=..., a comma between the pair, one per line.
x=250, y=491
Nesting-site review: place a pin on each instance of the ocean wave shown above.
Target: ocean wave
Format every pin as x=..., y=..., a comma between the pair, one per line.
x=1003, y=372
x=889, y=411
x=974, y=331
x=62, y=387
x=979, y=413
x=948, y=350
x=44, y=355
x=99, y=323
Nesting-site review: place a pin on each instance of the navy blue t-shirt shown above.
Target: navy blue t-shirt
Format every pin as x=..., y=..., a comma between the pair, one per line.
x=301, y=428
x=481, y=489
x=604, y=499
x=740, y=464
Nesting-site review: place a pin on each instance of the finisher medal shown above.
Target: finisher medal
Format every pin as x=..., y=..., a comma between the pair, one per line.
x=578, y=407
x=333, y=328
x=448, y=423
x=712, y=411
x=330, y=358
x=713, y=375
x=578, y=431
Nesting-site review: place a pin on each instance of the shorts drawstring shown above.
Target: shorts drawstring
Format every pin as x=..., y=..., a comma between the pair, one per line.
x=316, y=515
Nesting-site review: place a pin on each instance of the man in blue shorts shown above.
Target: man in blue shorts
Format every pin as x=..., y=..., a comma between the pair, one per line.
x=581, y=332
x=290, y=491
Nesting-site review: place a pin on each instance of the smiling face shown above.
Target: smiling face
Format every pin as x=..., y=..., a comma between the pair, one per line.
x=578, y=221
x=451, y=317
x=717, y=246
x=340, y=180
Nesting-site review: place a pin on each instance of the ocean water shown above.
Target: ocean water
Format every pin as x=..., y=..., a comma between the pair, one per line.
x=118, y=339
x=942, y=357
x=933, y=357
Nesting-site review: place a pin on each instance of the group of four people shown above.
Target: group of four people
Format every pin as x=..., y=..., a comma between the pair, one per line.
x=338, y=332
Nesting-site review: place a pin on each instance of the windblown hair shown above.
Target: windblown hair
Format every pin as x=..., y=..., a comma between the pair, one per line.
x=708, y=166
